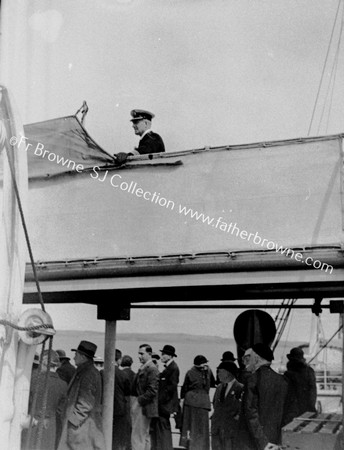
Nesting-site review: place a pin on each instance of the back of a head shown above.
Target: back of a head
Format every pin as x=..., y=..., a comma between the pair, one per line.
x=127, y=361
x=263, y=351
x=54, y=358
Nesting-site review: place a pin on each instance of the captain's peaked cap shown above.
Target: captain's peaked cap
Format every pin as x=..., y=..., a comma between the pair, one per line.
x=139, y=114
x=86, y=348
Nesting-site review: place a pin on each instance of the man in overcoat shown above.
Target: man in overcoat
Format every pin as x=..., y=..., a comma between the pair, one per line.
x=121, y=429
x=82, y=424
x=264, y=402
x=227, y=405
x=167, y=400
x=145, y=406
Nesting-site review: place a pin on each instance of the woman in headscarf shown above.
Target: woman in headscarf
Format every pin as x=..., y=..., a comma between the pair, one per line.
x=195, y=392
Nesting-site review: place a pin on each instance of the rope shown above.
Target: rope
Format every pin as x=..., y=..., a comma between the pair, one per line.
x=323, y=70
x=325, y=345
x=32, y=328
x=45, y=398
x=16, y=190
x=285, y=313
x=34, y=402
x=333, y=76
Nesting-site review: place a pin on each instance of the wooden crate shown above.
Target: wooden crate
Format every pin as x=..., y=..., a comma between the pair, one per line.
x=313, y=431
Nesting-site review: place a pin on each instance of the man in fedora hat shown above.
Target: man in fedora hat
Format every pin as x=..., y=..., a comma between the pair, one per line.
x=227, y=404
x=264, y=402
x=150, y=142
x=82, y=424
x=65, y=370
x=228, y=356
x=168, y=402
x=302, y=384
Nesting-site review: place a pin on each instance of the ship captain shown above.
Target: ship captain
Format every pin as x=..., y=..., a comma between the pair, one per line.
x=150, y=142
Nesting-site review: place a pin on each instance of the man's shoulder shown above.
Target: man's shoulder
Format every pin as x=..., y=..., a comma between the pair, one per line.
x=266, y=373
x=172, y=366
x=171, y=369
x=88, y=370
x=153, y=135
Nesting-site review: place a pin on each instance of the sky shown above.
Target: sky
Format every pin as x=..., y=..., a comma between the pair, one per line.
x=214, y=72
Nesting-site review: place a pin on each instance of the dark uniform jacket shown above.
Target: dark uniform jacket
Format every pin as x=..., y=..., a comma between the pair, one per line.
x=264, y=409
x=226, y=409
x=82, y=423
x=168, y=390
x=145, y=388
x=151, y=143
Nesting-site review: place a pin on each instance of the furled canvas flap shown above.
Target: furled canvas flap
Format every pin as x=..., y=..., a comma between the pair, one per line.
x=60, y=145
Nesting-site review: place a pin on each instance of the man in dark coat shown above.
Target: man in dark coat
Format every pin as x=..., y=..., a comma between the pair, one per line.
x=167, y=400
x=145, y=406
x=302, y=384
x=150, y=142
x=82, y=423
x=121, y=428
x=126, y=363
x=227, y=404
x=46, y=419
x=65, y=370
x=264, y=402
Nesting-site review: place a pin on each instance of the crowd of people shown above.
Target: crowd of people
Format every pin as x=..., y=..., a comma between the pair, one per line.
x=251, y=403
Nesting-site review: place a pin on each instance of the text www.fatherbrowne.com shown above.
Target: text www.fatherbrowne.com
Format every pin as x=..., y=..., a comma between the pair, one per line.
x=155, y=197
x=233, y=229
x=218, y=224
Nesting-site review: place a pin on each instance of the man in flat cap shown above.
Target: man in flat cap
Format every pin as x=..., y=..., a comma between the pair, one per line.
x=150, y=142
x=227, y=405
x=264, y=402
x=168, y=402
x=82, y=424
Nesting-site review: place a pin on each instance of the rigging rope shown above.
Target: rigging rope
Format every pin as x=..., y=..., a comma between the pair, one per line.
x=31, y=328
x=325, y=345
x=21, y=212
x=324, y=67
x=332, y=80
x=285, y=313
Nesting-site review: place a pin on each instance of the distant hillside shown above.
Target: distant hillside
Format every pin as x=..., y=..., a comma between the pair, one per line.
x=187, y=345
x=157, y=337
